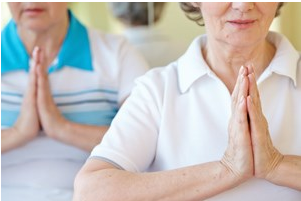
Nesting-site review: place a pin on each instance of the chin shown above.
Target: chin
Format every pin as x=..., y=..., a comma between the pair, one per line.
x=242, y=41
x=38, y=27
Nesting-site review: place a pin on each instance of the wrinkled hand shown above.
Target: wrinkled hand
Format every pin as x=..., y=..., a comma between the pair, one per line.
x=27, y=125
x=238, y=157
x=266, y=156
x=51, y=118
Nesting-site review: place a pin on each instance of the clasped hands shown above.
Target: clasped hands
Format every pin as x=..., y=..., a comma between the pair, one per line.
x=250, y=151
x=38, y=110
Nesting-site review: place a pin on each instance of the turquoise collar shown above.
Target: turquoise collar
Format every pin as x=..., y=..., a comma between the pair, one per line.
x=75, y=51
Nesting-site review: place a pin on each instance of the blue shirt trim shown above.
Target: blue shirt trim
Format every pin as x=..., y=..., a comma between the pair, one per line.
x=96, y=118
x=75, y=51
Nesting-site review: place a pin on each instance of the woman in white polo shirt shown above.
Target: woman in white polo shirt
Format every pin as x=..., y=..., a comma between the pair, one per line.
x=51, y=121
x=221, y=123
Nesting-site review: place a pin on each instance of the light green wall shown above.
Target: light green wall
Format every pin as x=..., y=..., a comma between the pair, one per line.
x=290, y=23
x=92, y=14
x=174, y=22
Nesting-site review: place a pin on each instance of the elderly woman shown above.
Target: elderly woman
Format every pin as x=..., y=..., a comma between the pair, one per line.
x=221, y=123
x=51, y=123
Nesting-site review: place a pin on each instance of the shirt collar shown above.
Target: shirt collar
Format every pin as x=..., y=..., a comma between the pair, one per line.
x=15, y=57
x=286, y=58
x=192, y=65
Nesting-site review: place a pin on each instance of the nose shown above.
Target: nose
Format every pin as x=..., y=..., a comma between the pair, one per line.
x=243, y=6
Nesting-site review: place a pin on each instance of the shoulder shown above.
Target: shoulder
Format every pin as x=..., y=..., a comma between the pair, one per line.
x=160, y=79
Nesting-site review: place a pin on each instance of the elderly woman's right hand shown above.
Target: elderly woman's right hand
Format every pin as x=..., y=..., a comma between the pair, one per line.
x=238, y=157
x=27, y=125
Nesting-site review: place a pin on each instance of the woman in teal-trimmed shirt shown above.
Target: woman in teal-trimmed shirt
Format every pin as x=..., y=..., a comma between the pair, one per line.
x=61, y=86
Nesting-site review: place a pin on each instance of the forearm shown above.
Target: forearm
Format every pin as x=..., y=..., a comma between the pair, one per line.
x=85, y=137
x=10, y=139
x=191, y=183
x=288, y=172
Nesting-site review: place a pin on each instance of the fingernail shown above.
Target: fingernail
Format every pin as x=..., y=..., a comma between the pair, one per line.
x=35, y=51
x=241, y=70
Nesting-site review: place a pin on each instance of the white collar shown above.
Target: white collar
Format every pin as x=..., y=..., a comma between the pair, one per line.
x=192, y=66
x=285, y=61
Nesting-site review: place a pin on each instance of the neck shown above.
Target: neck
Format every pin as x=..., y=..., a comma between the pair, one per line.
x=49, y=40
x=226, y=60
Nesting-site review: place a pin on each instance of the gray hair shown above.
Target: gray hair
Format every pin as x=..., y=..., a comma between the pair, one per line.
x=135, y=13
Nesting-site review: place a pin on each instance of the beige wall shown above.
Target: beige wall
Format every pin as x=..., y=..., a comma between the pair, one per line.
x=174, y=23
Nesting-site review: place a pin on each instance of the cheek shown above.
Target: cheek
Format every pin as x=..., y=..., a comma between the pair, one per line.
x=58, y=12
x=15, y=12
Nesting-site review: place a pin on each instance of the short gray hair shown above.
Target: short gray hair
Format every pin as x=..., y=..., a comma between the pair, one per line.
x=135, y=13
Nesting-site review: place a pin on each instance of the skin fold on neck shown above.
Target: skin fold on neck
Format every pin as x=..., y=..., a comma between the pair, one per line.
x=225, y=60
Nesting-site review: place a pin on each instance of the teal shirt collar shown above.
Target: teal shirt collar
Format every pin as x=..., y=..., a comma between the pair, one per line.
x=75, y=51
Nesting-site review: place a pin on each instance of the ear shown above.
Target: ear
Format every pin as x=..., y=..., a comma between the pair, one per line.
x=196, y=4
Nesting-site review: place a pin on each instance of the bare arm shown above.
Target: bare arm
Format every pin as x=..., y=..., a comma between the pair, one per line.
x=85, y=137
x=101, y=181
x=287, y=172
x=11, y=138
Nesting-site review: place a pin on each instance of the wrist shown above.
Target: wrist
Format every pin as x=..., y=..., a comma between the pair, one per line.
x=57, y=128
x=236, y=176
x=274, y=166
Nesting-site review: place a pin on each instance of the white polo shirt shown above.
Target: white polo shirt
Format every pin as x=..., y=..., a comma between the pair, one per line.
x=178, y=116
x=90, y=78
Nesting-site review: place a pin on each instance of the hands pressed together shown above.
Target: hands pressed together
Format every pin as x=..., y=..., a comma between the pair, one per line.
x=250, y=150
x=38, y=109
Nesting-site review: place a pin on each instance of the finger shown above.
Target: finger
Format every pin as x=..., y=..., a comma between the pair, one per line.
x=253, y=91
x=250, y=68
x=243, y=87
x=35, y=54
x=235, y=97
x=252, y=112
x=44, y=92
x=242, y=114
x=32, y=79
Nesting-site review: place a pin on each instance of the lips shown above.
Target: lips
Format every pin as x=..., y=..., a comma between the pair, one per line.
x=242, y=24
x=241, y=21
x=33, y=11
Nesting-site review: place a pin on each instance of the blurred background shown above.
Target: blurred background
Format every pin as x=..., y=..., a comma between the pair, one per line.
x=173, y=22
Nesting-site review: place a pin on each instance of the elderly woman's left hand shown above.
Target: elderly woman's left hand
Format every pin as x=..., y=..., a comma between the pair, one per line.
x=51, y=118
x=266, y=156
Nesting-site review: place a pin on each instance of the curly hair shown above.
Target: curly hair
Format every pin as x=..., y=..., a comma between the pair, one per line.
x=195, y=14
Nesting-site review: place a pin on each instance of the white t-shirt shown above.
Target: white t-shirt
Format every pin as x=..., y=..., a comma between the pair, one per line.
x=89, y=80
x=178, y=116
